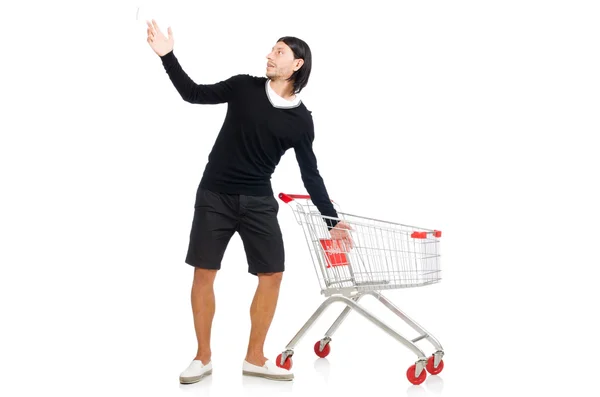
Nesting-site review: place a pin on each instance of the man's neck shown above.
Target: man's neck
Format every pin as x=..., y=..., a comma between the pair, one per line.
x=283, y=88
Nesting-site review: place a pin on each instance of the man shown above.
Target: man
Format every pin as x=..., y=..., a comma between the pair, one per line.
x=264, y=119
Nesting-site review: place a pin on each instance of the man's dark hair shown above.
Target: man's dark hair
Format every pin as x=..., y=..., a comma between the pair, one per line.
x=301, y=50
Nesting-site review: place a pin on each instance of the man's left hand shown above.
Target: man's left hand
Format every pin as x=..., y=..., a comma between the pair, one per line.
x=341, y=232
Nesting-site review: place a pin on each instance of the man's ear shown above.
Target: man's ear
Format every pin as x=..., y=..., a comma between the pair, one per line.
x=299, y=63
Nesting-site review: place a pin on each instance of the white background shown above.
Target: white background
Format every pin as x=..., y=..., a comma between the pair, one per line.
x=473, y=117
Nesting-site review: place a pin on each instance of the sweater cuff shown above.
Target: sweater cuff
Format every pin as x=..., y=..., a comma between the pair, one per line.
x=331, y=223
x=168, y=58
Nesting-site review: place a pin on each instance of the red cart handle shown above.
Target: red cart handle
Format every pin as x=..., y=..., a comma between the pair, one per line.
x=286, y=198
x=436, y=233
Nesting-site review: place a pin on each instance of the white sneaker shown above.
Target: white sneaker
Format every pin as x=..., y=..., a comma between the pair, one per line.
x=195, y=372
x=268, y=371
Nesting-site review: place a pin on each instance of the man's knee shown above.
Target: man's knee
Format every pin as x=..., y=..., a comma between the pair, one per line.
x=204, y=276
x=270, y=278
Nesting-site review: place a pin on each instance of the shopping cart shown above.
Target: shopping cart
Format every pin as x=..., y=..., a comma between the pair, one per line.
x=382, y=256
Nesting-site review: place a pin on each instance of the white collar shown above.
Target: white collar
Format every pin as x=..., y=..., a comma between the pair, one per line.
x=279, y=102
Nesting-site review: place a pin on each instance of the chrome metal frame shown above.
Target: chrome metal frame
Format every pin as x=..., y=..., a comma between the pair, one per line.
x=352, y=304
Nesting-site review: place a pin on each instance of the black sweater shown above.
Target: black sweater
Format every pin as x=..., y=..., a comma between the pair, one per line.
x=254, y=136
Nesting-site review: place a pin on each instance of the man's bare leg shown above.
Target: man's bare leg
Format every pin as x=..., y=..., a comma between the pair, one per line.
x=262, y=311
x=203, y=307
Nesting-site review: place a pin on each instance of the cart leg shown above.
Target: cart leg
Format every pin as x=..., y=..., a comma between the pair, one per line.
x=341, y=318
x=289, y=351
x=336, y=324
x=309, y=323
x=413, y=324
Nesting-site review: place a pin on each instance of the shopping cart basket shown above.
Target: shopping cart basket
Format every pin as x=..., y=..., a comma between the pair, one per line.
x=383, y=256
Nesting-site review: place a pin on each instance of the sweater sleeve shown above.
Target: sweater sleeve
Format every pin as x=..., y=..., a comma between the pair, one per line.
x=313, y=182
x=191, y=92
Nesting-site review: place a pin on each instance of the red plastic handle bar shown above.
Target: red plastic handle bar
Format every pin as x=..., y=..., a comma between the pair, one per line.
x=436, y=233
x=286, y=198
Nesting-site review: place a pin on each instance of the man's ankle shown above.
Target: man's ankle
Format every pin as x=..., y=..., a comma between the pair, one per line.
x=204, y=357
x=256, y=359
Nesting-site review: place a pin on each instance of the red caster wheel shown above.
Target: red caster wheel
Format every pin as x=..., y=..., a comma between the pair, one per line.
x=322, y=353
x=410, y=374
x=431, y=369
x=287, y=363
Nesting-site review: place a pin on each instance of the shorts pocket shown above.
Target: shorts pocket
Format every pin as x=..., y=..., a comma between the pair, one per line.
x=205, y=198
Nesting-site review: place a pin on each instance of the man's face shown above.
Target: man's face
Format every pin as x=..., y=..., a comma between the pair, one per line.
x=281, y=63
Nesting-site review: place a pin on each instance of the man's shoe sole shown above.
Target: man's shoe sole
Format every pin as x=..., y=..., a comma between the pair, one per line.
x=267, y=376
x=194, y=379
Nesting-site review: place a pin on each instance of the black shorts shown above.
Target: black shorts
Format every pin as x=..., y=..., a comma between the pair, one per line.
x=217, y=216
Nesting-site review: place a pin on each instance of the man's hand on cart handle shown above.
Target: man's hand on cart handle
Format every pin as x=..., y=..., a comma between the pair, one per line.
x=340, y=232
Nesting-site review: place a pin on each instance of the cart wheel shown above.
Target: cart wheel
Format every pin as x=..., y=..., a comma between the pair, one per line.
x=322, y=353
x=410, y=374
x=431, y=369
x=287, y=364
